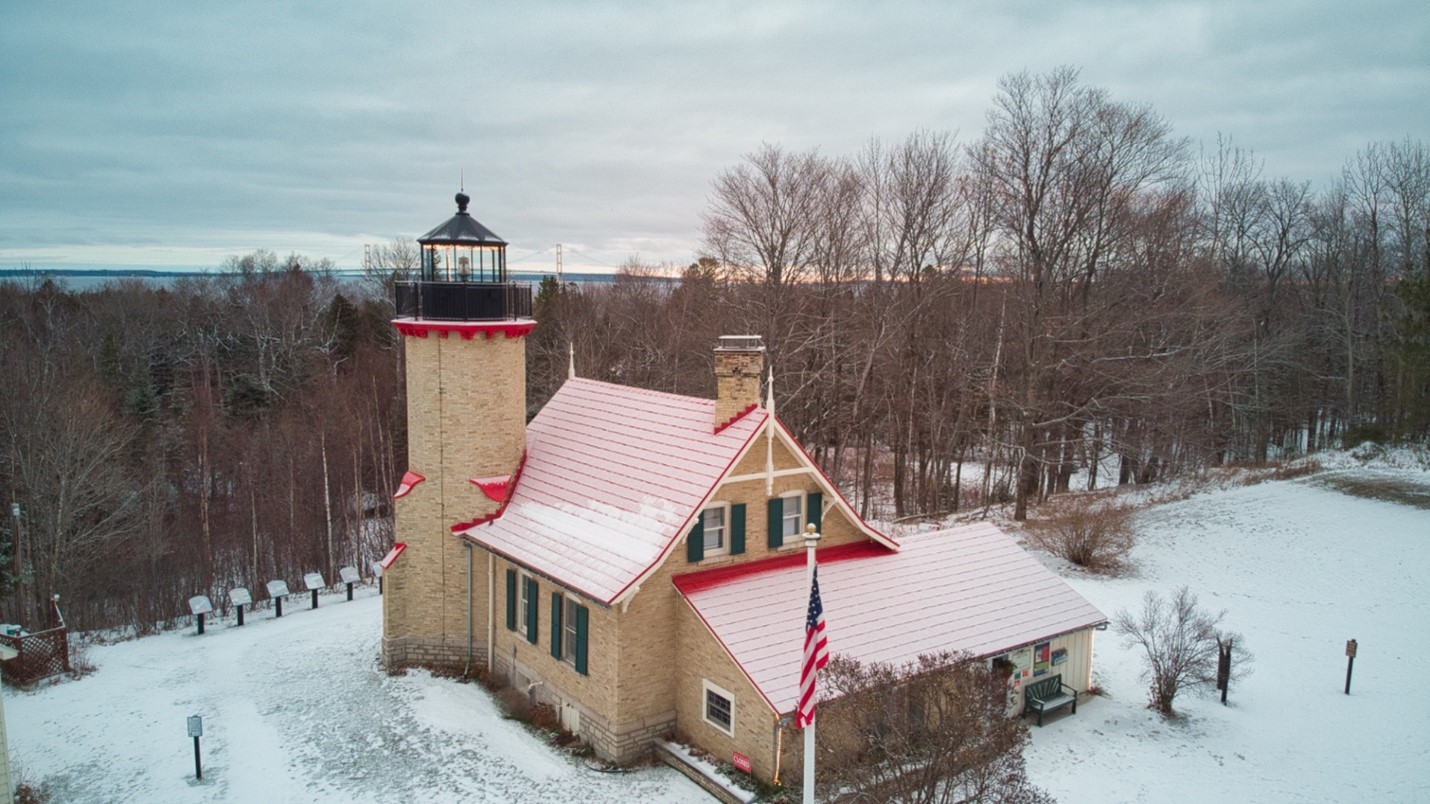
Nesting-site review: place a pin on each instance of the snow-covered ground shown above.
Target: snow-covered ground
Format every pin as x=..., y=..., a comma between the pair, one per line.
x=294, y=709
x=297, y=709
x=1300, y=566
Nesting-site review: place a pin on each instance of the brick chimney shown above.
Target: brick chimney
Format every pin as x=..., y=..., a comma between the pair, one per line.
x=739, y=361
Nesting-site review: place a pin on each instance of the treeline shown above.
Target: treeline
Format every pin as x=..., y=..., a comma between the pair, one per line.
x=1076, y=284
x=164, y=442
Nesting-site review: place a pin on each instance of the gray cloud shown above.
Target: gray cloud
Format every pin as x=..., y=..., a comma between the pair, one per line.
x=171, y=132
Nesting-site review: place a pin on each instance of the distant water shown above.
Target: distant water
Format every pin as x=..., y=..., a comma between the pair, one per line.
x=83, y=279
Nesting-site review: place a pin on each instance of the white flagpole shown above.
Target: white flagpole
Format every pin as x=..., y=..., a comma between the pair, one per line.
x=811, y=540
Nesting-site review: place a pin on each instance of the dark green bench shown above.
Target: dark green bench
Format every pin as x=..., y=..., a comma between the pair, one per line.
x=1048, y=695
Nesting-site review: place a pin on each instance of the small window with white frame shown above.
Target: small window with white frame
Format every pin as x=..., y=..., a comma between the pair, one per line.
x=568, y=632
x=718, y=707
x=524, y=598
x=792, y=517
x=715, y=522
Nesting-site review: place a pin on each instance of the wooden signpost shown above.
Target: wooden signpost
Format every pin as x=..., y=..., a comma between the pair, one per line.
x=1350, y=662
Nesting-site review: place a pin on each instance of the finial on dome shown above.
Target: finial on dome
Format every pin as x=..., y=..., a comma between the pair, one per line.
x=462, y=200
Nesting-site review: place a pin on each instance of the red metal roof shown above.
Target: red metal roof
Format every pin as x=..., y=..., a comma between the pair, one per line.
x=970, y=588
x=612, y=478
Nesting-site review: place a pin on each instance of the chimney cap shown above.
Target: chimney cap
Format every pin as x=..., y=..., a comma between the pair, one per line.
x=741, y=343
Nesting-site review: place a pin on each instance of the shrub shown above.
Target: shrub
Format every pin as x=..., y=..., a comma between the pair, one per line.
x=1087, y=531
x=1180, y=641
x=933, y=729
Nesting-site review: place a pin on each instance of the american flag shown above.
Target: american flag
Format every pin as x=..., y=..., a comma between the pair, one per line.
x=816, y=654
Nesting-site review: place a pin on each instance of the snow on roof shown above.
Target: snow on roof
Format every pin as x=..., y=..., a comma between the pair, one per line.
x=969, y=589
x=613, y=477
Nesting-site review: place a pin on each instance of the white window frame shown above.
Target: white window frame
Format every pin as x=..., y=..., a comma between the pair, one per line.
x=568, y=630
x=523, y=603
x=723, y=549
x=706, y=688
x=801, y=501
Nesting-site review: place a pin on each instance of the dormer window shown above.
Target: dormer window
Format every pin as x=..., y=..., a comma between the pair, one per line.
x=718, y=531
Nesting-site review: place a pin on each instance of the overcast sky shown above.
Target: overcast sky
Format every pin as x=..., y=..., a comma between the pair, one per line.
x=166, y=134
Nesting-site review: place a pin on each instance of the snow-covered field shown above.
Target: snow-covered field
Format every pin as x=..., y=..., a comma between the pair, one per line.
x=294, y=709
x=1300, y=568
x=297, y=709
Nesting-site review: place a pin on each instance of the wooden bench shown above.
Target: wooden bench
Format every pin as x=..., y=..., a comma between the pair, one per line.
x=1048, y=695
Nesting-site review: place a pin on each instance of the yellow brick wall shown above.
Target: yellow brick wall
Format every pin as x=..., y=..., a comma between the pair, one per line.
x=647, y=687
x=703, y=659
x=466, y=413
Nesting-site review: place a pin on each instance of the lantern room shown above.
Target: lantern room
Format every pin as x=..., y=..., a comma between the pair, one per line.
x=463, y=250
x=463, y=275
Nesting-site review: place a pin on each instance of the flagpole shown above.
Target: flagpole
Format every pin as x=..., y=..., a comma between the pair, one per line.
x=811, y=540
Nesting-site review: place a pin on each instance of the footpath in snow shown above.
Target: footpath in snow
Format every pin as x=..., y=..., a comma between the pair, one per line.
x=295, y=709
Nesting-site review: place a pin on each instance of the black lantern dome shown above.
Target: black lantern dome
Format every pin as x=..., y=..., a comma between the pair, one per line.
x=463, y=275
x=461, y=249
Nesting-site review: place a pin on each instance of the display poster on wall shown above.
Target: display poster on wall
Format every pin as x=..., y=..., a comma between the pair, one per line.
x=1022, y=662
x=1042, y=658
x=1059, y=656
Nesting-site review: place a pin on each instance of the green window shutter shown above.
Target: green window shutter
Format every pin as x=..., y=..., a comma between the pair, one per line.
x=737, y=529
x=533, y=597
x=777, y=532
x=556, y=603
x=581, y=639
x=814, y=509
x=511, y=600
x=695, y=548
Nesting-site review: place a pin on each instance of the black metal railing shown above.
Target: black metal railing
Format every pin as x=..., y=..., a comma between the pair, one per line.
x=463, y=301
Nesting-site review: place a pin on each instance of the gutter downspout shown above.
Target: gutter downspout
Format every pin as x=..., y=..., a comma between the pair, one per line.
x=491, y=602
x=466, y=671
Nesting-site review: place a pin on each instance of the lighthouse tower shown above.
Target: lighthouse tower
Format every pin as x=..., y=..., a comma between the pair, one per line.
x=464, y=328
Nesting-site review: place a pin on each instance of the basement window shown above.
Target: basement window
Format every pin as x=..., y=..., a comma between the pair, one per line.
x=719, y=707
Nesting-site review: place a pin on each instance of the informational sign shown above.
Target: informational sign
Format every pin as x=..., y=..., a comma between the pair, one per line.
x=348, y=575
x=277, y=588
x=239, y=597
x=1351, y=648
x=1042, y=658
x=314, y=580
x=196, y=726
x=741, y=761
x=1059, y=656
x=199, y=604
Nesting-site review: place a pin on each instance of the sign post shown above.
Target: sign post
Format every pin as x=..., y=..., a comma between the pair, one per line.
x=1350, y=662
x=314, y=582
x=349, y=576
x=196, y=730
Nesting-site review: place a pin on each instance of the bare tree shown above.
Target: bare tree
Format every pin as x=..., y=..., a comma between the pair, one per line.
x=1180, y=642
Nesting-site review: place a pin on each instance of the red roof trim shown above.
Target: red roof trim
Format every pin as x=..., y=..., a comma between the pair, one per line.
x=692, y=582
x=494, y=487
x=848, y=509
x=738, y=416
x=511, y=487
x=685, y=526
x=409, y=482
x=417, y=328
x=386, y=562
x=746, y=673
